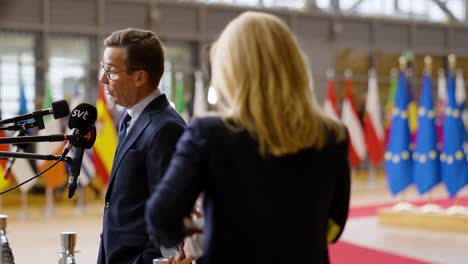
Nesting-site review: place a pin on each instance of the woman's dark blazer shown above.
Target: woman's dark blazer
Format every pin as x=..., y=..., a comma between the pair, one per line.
x=257, y=210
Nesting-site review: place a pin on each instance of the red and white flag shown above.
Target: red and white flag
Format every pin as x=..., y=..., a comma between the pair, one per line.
x=373, y=129
x=350, y=117
x=331, y=101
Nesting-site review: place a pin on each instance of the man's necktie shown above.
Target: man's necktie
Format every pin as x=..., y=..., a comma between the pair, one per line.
x=123, y=127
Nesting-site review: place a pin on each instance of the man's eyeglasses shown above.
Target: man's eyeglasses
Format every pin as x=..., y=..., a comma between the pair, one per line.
x=112, y=75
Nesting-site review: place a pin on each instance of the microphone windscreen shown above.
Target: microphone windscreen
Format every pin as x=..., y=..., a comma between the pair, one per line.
x=60, y=109
x=87, y=141
x=83, y=118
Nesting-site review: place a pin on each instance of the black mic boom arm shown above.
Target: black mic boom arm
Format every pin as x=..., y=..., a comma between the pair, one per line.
x=31, y=139
x=33, y=156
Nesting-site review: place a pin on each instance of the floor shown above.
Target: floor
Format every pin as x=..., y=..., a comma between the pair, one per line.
x=35, y=238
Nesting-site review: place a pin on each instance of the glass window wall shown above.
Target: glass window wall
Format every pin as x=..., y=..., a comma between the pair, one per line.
x=68, y=65
x=17, y=70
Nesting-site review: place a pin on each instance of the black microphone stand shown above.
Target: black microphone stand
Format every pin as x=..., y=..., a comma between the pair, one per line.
x=31, y=139
x=36, y=115
x=34, y=156
x=20, y=126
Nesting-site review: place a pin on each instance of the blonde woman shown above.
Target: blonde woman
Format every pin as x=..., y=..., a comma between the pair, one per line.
x=272, y=168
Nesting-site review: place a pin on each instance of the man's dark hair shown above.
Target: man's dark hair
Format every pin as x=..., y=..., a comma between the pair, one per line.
x=143, y=51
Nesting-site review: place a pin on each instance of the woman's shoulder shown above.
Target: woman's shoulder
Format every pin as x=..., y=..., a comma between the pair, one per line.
x=207, y=122
x=337, y=136
x=215, y=128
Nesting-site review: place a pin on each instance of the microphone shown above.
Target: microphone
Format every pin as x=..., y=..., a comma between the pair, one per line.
x=80, y=121
x=85, y=142
x=75, y=170
x=58, y=108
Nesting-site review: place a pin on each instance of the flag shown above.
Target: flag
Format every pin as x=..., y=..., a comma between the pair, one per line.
x=373, y=130
x=88, y=170
x=22, y=169
x=460, y=97
x=398, y=162
x=4, y=183
x=389, y=105
x=452, y=156
x=57, y=175
x=440, y=106
x=412, y=111
x=23, y=104
x=106, y=138
x=331, y=101
x=180, y=104
x=199, y=102
x=166, y=80
x=426, y=170
x=460, y=93
x=350, y=117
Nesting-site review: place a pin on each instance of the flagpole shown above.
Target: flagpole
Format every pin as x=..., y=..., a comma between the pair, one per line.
x=372, y=180
x=49, y=208
x=80, y=203
x=24, y=214
x=353, y=179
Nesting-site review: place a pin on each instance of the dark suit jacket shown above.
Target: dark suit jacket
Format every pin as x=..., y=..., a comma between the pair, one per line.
x=257, y=210
x=139, y=164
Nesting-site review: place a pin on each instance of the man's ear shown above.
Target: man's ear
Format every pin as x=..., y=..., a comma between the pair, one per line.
x=141, y=77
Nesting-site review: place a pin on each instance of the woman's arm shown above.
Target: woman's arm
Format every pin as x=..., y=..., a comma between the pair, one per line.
x=175, y=196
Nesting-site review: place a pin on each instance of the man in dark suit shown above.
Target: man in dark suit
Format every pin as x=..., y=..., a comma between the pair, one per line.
x=133, y=64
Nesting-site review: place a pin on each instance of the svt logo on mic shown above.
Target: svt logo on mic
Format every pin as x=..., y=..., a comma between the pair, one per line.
x=80, y=114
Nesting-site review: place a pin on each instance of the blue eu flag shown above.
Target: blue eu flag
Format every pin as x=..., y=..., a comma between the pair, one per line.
x=398, y=161
x=426, y=164
x=452, y=157
x=23, y=105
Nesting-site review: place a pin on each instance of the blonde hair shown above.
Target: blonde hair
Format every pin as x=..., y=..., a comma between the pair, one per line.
x=262, y=77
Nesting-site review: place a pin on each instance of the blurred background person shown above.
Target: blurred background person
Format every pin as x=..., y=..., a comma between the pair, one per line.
x=273, y=169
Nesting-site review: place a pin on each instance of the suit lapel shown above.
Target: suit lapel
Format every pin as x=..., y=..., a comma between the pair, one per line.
x=155, y=106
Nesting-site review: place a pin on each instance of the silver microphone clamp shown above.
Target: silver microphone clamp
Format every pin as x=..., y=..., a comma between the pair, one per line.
x=67, y=248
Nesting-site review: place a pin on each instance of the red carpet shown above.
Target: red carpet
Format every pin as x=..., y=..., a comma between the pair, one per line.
x=372, y=210
x=347, y=253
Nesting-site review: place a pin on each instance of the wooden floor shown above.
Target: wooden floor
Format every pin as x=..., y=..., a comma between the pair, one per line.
x=35, y=238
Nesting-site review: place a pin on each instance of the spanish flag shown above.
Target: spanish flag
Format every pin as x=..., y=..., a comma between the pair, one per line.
x=4, y=183
x=106, y=139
